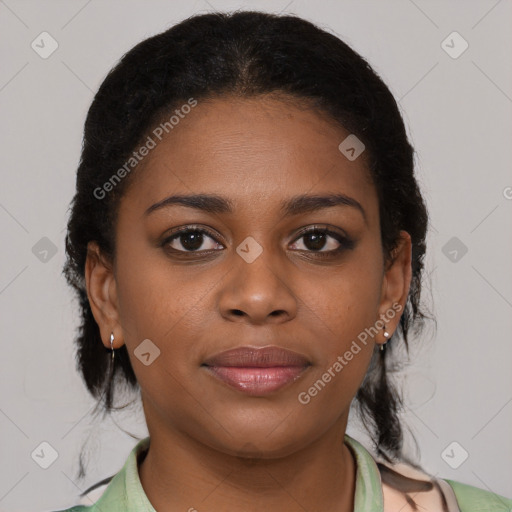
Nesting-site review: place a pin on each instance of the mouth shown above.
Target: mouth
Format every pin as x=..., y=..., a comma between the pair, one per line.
x=257, y=371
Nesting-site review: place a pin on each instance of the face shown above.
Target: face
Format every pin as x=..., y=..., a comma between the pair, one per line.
x=253, y=267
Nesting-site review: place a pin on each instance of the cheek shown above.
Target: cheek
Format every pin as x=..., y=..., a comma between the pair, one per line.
x=159, y=305
x=348, y=301
x=344, y=309
x=159, y=301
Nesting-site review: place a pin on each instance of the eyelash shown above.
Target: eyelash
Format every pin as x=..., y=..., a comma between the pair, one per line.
x=345, y=242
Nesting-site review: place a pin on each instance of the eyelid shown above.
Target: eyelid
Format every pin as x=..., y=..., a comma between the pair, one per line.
x=194, y=227
x=325, y=228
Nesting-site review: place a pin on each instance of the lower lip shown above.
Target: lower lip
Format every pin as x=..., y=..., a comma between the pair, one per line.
x=257, y=381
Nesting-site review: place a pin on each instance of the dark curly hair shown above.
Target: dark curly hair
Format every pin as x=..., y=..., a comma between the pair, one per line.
x=243, y=54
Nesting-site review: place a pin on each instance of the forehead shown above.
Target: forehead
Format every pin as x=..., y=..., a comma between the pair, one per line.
x=263, y=148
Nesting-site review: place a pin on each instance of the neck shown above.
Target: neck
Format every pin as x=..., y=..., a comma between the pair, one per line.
x=180, y=473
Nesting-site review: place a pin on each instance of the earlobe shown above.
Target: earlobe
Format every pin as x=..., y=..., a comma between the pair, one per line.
x=101, y=291
x=396, y=283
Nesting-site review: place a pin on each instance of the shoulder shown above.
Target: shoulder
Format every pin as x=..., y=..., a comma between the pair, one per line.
x=114, y=492
x=94, y=493
x=407, y=487
x=88, y=499
x=76, y=508
x=473, y=499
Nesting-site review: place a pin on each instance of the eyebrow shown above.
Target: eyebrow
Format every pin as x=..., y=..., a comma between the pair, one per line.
x=294, y=206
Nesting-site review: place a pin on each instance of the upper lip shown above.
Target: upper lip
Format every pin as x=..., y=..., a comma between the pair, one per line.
x=262, y=357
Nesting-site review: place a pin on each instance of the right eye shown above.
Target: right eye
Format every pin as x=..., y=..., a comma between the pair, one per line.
x=191, y=240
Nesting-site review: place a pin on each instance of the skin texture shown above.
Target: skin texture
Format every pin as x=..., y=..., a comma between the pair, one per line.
x=213, y=447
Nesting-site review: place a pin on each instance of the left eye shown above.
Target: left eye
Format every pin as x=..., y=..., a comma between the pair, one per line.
x=317, y=239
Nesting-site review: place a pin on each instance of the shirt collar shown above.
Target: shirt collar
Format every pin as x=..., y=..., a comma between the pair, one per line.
x=368, y=492
x=126, y=494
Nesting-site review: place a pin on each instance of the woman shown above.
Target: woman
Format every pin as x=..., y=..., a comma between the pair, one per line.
x=247, y=241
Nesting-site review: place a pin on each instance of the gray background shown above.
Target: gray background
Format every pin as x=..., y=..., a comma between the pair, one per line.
x=458, y=112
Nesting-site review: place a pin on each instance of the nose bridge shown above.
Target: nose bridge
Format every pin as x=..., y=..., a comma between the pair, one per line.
x=257, y=286
x=258, y=264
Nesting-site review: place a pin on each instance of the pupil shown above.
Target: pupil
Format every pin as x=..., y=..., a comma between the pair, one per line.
x=196, y=240
x=318, y=240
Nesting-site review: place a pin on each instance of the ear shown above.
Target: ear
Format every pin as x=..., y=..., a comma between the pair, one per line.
x=102, y=293
x=395, y=285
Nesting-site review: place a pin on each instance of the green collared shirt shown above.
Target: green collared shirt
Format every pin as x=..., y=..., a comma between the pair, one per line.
x=125, y=493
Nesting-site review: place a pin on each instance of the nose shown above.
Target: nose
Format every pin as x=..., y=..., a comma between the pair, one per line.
x=257, y=292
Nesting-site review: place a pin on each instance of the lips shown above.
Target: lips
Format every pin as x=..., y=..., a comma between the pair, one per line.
x=257, y=371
